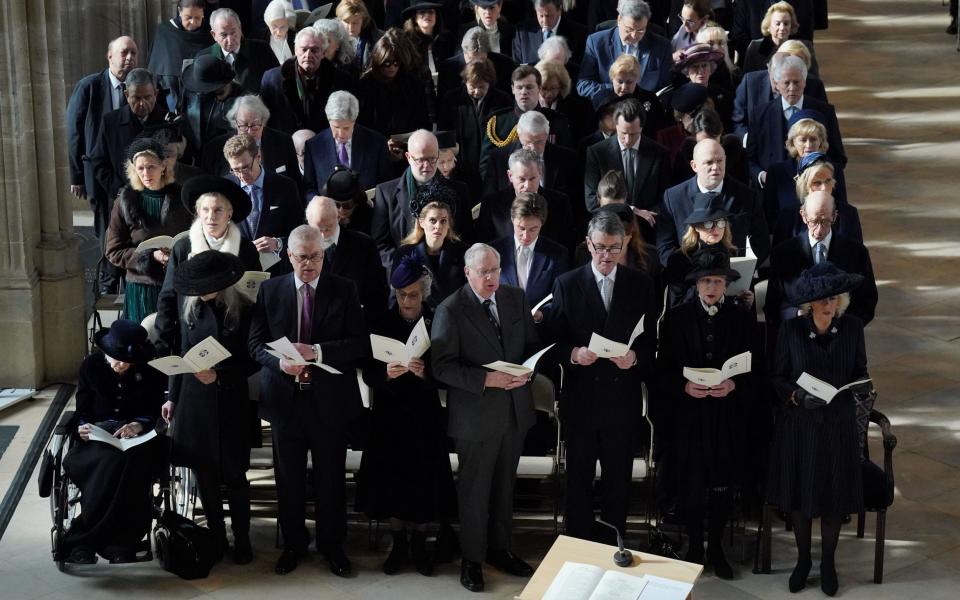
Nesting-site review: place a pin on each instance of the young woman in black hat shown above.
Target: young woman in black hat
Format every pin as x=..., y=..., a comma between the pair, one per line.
x=815, y=467
x=118, y=392
x=214, y=421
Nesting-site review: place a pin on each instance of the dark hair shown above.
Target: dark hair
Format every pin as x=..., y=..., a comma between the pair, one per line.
x=182, y=4
x=612, y=185
x=556, y=3
x=397, y=45
x=631, y=110
x=529, y=204
x=479, y=70
x=138, y=77
x=524, y=71
x=708, y=121
x=701, y=7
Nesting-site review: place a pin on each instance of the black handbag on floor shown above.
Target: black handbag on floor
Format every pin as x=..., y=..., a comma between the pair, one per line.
x=183, y=547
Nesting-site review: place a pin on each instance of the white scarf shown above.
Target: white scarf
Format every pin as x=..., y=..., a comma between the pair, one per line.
x=200, y=242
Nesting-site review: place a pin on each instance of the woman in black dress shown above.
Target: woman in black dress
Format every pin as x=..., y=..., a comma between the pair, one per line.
x=405, y=474
x=215, y=422
x=815, y=465
x=118, y=392
x=705, y=454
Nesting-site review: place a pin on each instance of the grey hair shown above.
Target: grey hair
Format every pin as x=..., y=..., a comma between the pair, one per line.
x=321, y=205
x=229, y=298
x=252, y=103
x=523, y=157
x=342, y=106
x=224, y=13
x=790, y=62
x=140, y=76
x=635, y=9
x=554, y=45
x=533, y=122
x=842, y=305
x=278, y=9
x=475, y=253
x=425, y=281
x=334, y=29
x=304, y=234
x=606, y=223
x=313, y=33
x=475, y=40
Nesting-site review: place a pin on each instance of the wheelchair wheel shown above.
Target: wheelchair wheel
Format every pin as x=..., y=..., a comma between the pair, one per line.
x=183, y=491
x=64, y=505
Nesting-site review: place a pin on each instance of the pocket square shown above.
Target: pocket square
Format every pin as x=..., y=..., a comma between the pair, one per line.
x=274, y=207
x=282, y=169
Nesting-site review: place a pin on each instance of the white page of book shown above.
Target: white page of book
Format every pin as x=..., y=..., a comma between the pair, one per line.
x=207, y=354
x=173, y=365
x=249, y=284
x=98, y=434
x=823, y=390
x=744, y=265
x=735, y=365
x=389, y=350
x=418, y=342
x=155, y=243
x=516, y=370
x=616, y=585
x=661, y=588
x=268, y=259
x=574, y=581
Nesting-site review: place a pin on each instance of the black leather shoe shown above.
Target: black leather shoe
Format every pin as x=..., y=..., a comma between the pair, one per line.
x=508, y=562
x=288, y=561
x=242, y=550
x=721, y=568
x=952, y=27
x=399, y=554
x=81, y=555
x=829, y=584
x=418, y=552
x=339, y=563
x=471, y=575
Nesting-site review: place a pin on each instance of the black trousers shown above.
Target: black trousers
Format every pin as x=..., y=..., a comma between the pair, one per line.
x=238, y=498
x=292, y=439
x=613, y=447
x=488, y=470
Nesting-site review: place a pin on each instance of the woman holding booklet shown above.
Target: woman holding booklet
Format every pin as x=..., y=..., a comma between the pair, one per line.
x=815, y=467
x=405, y=474
x=704, y=459
x=214, y=421
x=118, y=394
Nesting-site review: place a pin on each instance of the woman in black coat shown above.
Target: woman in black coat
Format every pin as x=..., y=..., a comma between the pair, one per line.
x=215, y=422
x=704, y=458
x=118, y=392
x=815, y=464
x=176, y=40
x=405, y=474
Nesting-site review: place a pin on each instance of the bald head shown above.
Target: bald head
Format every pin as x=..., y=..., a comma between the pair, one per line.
x=818, y=214
x=122, y=56
x=816, y=202
x=322, y=214
x=709, y=163
x=300, y=139
x=422, y=154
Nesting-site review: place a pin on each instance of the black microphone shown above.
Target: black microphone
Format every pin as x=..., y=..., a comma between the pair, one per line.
x=622, y=557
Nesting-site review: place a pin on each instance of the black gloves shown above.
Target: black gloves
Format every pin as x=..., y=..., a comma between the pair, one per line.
x=807, y=400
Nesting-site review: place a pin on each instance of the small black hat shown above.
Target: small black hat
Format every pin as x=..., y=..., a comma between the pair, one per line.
x=707, y=207
x=207, y=272
x=197, y=186
x=711, y=260
x=822, y=281
x=125, y=341
x=145, y=145
x=343, y=185
x=413, y=8
x=408, y=271
x=447, y=139
x=624, y=212
x=207, y=73
x=688, y=97
x=434, y=191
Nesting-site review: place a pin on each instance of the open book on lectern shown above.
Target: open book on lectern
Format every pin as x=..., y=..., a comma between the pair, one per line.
x=580, y=581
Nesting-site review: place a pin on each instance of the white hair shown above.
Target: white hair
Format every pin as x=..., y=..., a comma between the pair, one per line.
x=553, y=46
x=342, y=106
x=476, y=252
x=303, y=234
x=475, y=40
x=223, y=13
x=321, y=206
x=252, y=103
x=794, y=63
x=523, y=157
x=635, y=9
x=533, y=122
x=334, y=30
x=279, y=9
x=311, y=33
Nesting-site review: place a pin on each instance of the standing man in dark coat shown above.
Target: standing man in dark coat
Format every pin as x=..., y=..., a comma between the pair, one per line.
x=249, y=58
x=310, y=407
x=602, y=402
x=550, y=22
x=490, y=411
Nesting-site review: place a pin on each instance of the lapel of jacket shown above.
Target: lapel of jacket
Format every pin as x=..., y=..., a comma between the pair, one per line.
x=537, y=263
x=105, y=99
x=402, y=219
x=613, y=326
x=288, y=295
x=477, y=316
x=595, y=313
x=321, y=304
x=806, y=249
x=508, y=262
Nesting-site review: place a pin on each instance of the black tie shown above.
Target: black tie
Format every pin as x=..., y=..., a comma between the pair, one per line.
x=329, y=254
x=488, y=308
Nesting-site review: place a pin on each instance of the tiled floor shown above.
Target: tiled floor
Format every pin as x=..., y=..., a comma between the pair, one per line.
x=895, y=79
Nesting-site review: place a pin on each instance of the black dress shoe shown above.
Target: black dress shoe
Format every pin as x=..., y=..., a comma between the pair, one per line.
x=721, y=568
x=471, y=575
x=952, y=27
x=399, y=554
x=798, y=579
x=339, y=563
x=288, y=561
x=242, y=550
x=829, y=584
x=508, y=562
x=82, y=555
x=418, y=552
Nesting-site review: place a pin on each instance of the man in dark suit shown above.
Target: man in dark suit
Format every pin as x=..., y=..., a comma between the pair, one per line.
x=817, y=244
x=92, y=99
x=749, y=221
x=550, y=22
x=309, y=407
x=768, y=122
x=393, y=218
x=529, y=260
x=250, y=115
x=350, y=254
x=362, y=150
x=602, y=400
x=121, y=126
x=758, y=87
x=249, y=58
x=276, y=210
x=490, y=411
x=474, y=46
x=630, y=36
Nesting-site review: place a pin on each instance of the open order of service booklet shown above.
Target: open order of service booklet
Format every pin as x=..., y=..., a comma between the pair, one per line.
x=735, y=365
x=516, y=370
x=249, y=284
x=205, y=355
x=823, y=390
x=605, y=348
x=580, y=581
x=389, y=350
x=161, y=241
x=285, y=350
x=98, y=434
x=745, y=265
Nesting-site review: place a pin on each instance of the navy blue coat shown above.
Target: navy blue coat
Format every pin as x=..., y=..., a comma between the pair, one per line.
x=529, y=37
x=276, y=151
x=109, y=158
x=281, y=214
x=90, y=101
x=603, y=47
x=754, y=90
x=370, y=159
x=550, y=260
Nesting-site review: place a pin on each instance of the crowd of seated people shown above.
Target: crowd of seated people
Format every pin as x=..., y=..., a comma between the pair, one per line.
x=392, y=163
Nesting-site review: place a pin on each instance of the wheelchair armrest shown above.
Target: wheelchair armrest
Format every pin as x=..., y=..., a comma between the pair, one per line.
x=889, y=440
x=66, y=420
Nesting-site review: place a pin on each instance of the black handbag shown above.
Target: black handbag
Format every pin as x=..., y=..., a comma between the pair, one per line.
x=183, y=547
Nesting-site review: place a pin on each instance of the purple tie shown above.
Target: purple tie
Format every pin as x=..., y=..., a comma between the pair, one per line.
x=343, y=158
x=306, y=316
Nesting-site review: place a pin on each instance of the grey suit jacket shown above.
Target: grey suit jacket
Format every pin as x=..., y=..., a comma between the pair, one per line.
x=464, y=340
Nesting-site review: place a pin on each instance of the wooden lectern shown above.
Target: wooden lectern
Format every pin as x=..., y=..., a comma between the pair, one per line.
x=576, y=550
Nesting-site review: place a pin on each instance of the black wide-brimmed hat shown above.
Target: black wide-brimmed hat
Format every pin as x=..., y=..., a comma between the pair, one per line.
x=126, y=341
x=408, y=271
x=822, y=281
x=688, y=97
x=416, y=6
x=197, y=186
x=207, y=73
x=343, y=185
x=207, y=272
x=707, y=207
x=697, y=53
x=711, y=261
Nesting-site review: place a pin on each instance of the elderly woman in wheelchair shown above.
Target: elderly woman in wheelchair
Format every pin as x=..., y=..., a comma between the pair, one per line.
x=117, y=393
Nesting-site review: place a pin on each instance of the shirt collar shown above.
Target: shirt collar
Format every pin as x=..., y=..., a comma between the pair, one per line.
x=517, y=245
x=300, y=284
x=258, y=183
x=481, y=300
x=826, y=241
x=716, y=190
x=785, y=105
x=635, y=146
x=597, y=275
x=114, y=82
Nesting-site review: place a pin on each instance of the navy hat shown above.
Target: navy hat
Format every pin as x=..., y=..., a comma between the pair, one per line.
x=197, y=186
x=823, y=281
x=711, y=260
x=707, y=207
x=697, y=53
x=806, y=113
x=207, y=73
x=688, y=97
x=810, y=159
x=343, y=185
x=408, y=271
x=411, y=11
x=145, y=145
x=207, y=272
x=125, y=341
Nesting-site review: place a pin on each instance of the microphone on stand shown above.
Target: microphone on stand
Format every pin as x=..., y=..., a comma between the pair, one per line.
x=622, y=557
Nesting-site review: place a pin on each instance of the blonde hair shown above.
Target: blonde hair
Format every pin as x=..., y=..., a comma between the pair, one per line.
x=134, y=178
x=350, y=8
x=781, y=7
x=418, y=234
x=691, y=238
x=842, y=305
x=798, y=49
x=712, y=31
x=625, y=64
x=229, y=297
x=802, y=187
x=550, y=70
x=220, y=198
x=806, y=127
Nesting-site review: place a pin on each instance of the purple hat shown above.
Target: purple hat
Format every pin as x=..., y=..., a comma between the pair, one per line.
x=408, y=271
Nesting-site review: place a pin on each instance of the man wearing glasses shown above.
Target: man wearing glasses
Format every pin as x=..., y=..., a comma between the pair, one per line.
x=276, y=208
x=308, y=407
x=602, y=403
x=490, y=411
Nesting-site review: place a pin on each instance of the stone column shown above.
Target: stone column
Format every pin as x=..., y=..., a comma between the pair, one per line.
x=41, y=290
